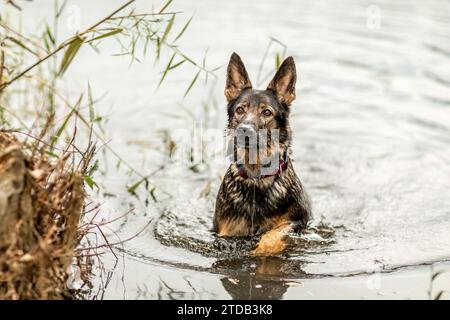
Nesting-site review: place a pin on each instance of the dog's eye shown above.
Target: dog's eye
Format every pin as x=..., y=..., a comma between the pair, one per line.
x=239, y=110
x=267, y=113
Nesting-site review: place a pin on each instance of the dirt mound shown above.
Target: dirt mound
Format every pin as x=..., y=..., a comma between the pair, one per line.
x=41, y=204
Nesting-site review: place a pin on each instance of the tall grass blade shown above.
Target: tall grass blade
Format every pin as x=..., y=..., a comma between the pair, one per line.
x=165, y=6
x=70, y=53
x=107, y=34
x=183, y=30
x=168, y=28
x=60, y=130
x=192, y=83
x=167, y=69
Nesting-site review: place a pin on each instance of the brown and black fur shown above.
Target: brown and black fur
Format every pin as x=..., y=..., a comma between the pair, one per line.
x=271, y=206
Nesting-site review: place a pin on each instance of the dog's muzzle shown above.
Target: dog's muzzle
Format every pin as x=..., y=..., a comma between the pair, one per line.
x=246, y=135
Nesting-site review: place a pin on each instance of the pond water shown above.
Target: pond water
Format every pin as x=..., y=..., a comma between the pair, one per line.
x=371, y=145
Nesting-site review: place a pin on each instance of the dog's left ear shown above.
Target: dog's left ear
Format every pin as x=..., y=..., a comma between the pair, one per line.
x=283, y=83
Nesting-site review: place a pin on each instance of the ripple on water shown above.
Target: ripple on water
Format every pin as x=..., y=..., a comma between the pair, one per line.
x=192, y=232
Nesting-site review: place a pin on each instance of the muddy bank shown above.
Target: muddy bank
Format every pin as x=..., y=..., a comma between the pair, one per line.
x=41, y=204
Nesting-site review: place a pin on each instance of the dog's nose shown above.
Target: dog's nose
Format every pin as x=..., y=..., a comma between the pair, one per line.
x=247, y=129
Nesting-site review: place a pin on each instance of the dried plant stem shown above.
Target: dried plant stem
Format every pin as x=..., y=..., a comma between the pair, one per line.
x=35, y=247
x=2, y=62
x=145, y=15
x=18, y=34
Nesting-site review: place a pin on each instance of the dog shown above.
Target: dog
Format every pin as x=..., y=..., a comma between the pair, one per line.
x=254, y=199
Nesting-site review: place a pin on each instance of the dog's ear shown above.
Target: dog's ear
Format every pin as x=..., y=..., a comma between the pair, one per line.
x=237, y=78
x=283, y=83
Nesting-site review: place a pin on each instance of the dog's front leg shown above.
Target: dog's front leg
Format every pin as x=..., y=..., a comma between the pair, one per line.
x=274, y=241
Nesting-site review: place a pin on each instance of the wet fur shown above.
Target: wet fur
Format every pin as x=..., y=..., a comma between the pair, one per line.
x=273, y=206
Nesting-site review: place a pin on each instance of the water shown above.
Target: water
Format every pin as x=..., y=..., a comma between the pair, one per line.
x=371, y=145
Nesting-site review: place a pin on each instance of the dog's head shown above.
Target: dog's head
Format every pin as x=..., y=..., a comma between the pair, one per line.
x=252, y=112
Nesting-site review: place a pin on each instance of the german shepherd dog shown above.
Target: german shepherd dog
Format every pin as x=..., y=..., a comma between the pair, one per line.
x=255, y=200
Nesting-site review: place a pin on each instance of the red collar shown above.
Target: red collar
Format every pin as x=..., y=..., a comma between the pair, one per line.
x=282, y=166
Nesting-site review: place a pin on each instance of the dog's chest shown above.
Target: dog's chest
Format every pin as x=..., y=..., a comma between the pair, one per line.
x=258, y=199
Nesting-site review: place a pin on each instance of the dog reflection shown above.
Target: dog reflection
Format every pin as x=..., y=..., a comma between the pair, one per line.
x=258, y=279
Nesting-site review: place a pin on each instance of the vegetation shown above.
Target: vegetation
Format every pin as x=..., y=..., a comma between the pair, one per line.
x=48, y=143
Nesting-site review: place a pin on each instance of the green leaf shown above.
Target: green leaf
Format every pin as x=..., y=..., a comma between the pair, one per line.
x=192, y=83
x=183, y=30
x=165, y=6
x=105, y=35
x=61, y=9
x=160, y=41
x=22, y=45
x=49, y=34
x=70, y=53
x=152, y=194
x=91, y=183
x=93, y=169
x=46, y=44
x=167, y=69
x=168, y=28
x=177, y=64
x=277, y=60
x=133, y=187
x=188, y=59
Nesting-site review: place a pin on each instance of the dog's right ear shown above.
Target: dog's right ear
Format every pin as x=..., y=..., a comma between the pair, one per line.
x=237, y=78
